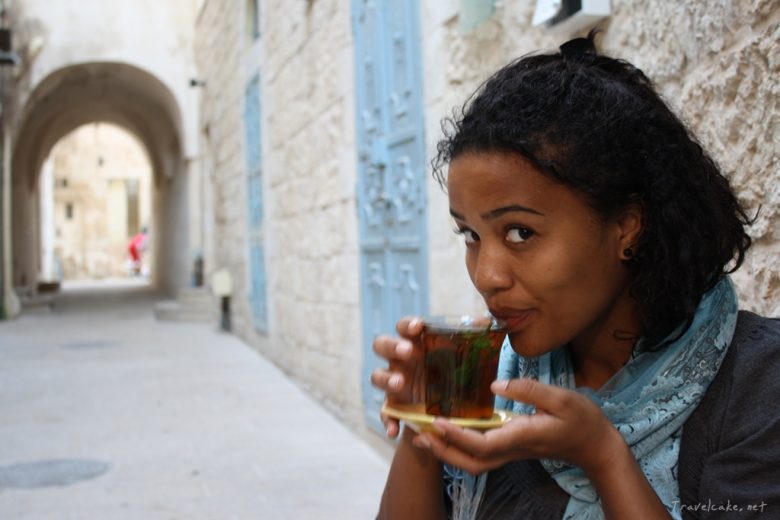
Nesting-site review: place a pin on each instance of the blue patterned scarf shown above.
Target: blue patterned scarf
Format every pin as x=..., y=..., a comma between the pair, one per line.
x=648, y=401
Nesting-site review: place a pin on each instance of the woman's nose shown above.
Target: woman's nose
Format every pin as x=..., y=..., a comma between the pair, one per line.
x=491, y=270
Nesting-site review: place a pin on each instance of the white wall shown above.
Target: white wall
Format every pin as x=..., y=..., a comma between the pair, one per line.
x=149, y=34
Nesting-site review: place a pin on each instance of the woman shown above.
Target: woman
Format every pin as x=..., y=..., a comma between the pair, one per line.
x=599, y=231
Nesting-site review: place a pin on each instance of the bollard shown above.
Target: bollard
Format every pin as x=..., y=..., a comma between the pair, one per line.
x=222, y=285
x=224, y=320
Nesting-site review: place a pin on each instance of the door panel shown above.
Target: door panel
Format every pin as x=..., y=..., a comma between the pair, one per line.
x=405, y=189
x=391, y=175
x=405, y=296
x=402, y=55
x=375, y=295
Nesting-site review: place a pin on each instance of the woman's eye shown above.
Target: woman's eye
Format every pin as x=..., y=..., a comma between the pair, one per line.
x=468, y=235
x=518, y=235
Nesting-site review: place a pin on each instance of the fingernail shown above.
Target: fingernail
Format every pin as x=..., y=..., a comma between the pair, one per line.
x=403, y=348
x=422, y=442
x=437, y=427
x=414, y=322
x=394, y=382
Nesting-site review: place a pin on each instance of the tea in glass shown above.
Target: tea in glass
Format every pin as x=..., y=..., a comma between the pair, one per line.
x=461, y=361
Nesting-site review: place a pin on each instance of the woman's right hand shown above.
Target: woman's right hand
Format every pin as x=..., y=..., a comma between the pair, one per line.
x=402, y=379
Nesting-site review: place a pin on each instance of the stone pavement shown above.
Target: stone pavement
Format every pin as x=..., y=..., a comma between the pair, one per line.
x=107, y=414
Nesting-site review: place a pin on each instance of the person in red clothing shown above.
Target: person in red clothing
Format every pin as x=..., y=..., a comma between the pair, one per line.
x=135, y=248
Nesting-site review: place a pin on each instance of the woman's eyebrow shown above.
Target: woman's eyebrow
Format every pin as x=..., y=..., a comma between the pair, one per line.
x=457, y=216
x=495, y=213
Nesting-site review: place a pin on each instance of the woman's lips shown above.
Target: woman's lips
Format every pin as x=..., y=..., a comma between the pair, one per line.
x=513, y=320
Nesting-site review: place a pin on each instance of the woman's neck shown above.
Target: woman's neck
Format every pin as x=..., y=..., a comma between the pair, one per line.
x=599, y=352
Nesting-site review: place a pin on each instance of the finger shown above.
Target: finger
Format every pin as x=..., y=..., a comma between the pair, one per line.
x=465, y=439
x=409, y=327
x=387, y=380
x=496, y=443
x=476, y=452
x=547, y=397
x=452, y=455
x=392, y=426
x=393, y=348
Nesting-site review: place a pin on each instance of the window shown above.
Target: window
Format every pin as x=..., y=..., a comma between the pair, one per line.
x=131, y=188
x=252, y=21
x=473, y=13
x=69, y=211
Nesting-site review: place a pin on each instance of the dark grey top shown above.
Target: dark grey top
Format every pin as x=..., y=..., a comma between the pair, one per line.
x=729, y=464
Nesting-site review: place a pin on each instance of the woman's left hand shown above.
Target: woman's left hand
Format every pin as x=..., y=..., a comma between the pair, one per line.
x=566, y=426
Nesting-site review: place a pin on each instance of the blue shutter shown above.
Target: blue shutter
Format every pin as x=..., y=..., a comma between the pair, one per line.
x=255, y=204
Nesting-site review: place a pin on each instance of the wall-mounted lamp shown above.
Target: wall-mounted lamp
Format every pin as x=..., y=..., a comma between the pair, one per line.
x=7, y=55
x=566, y=17
x=195, y=82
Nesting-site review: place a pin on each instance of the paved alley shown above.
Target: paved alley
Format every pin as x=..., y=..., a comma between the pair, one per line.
x=107, y=414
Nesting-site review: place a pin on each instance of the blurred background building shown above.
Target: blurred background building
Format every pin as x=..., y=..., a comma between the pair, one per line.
x=285, y=146
x=95, y=188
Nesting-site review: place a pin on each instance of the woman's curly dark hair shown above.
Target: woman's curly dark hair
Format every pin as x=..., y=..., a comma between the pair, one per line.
x=596, y=125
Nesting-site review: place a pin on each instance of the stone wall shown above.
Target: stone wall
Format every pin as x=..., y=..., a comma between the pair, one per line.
x=218, y=54
x=309, y=167
x=309, y=164
x=715, y=61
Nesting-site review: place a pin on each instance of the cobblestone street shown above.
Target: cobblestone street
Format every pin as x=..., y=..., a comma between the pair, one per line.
x=108, y=414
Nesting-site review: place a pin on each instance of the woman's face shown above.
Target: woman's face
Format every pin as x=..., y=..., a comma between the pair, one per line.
x=543, y=260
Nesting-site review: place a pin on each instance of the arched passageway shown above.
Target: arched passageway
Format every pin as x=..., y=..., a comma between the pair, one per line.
x=95, y=203
x=138, y=102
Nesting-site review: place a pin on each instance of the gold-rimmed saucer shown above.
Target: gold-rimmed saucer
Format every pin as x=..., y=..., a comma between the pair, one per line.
x=414, y=415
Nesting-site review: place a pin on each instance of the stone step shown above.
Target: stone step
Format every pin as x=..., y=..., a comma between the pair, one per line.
x=40, y=303
x=195, y=295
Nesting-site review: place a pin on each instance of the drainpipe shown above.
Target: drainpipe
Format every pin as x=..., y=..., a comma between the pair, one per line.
x=3, y=314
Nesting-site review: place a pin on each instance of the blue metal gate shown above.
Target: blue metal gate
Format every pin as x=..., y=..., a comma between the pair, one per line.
x=255, y=239
x=391, y=174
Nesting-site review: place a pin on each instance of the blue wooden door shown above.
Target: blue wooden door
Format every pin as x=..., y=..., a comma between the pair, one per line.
x=391, y=174
x=257, y=282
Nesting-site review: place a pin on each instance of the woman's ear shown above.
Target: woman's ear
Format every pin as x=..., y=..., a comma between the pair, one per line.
x=629, y=227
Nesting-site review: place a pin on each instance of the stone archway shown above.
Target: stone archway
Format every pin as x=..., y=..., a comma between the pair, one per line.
x=133, y=99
